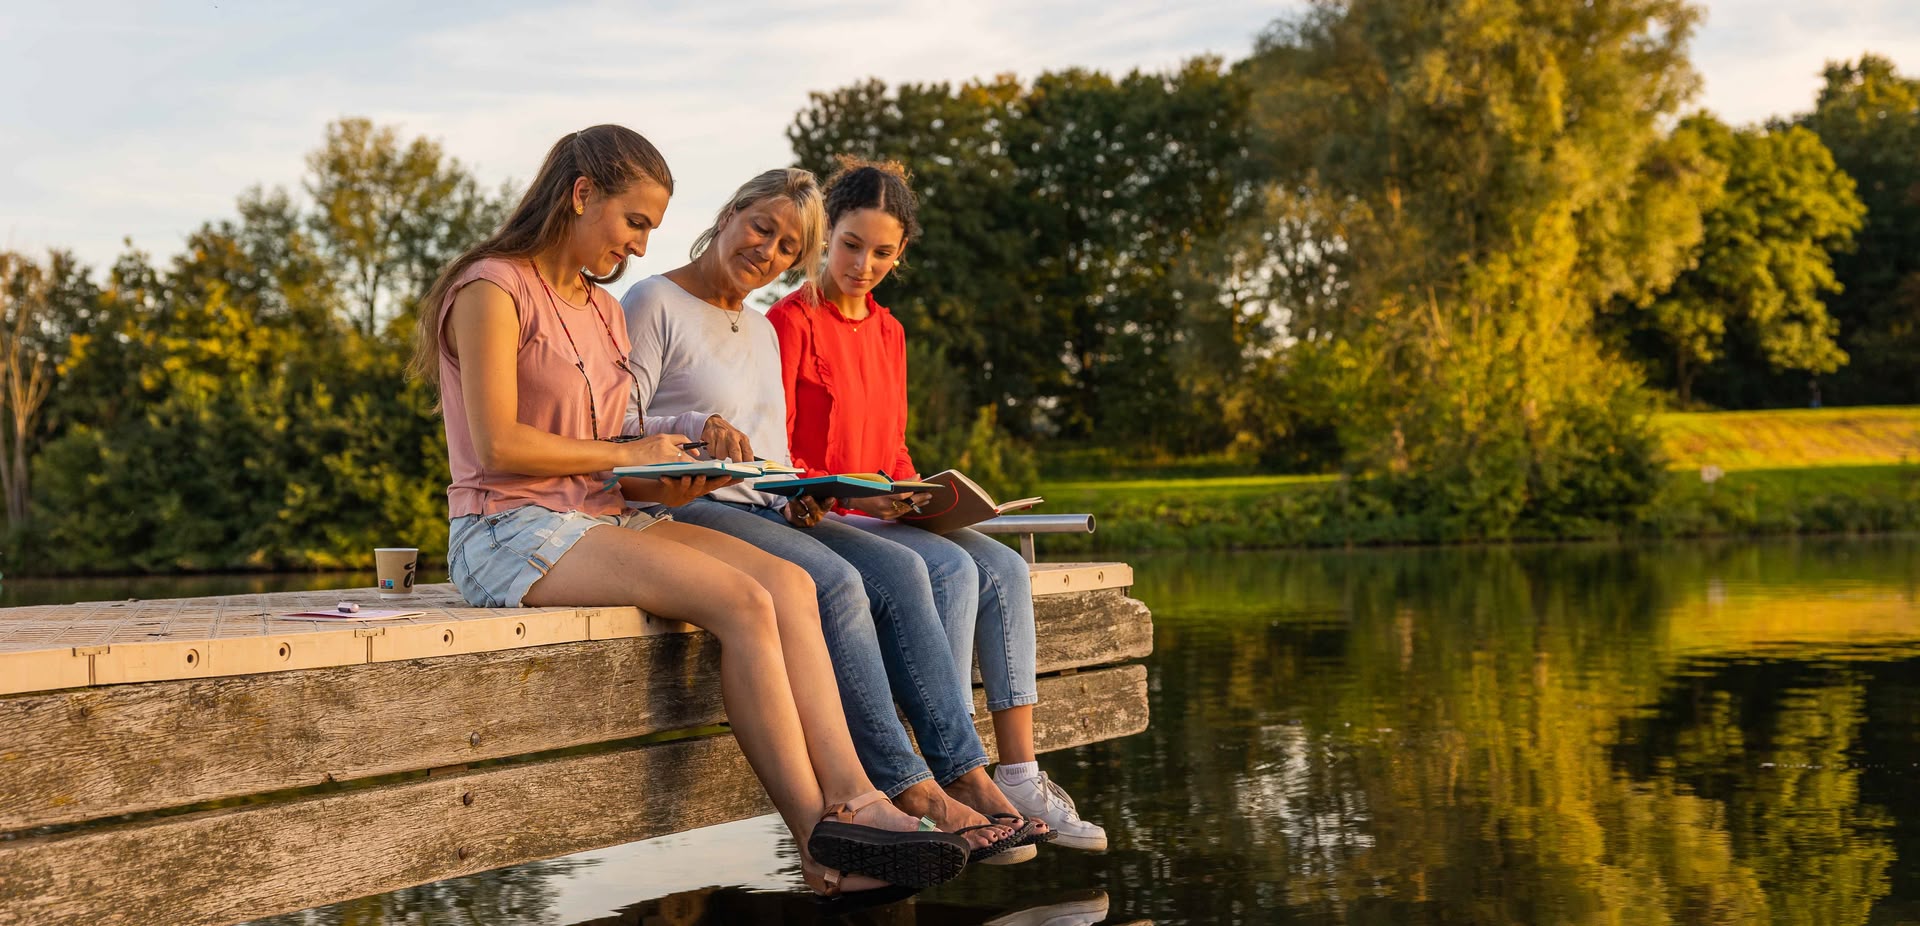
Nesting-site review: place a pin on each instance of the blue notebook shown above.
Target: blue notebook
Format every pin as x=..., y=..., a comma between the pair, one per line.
x=692, y=468
x=842, y=486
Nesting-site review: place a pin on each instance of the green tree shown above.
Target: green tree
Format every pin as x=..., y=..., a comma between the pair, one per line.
x=224, y=412
x=103, y=349
x=1766, y=259
x=1481, y=166
x=389, y=216
x=1057, y=216
x=1868, y=115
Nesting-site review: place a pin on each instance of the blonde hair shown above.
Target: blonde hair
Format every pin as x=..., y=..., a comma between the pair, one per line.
x=612, y=157
x=795, y=185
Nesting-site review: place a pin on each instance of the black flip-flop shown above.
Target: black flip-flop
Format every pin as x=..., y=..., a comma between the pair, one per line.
x=1024, y=828
x=1010, y=841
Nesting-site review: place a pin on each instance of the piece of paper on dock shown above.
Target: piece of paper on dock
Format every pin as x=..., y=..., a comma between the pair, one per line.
x=364, y=614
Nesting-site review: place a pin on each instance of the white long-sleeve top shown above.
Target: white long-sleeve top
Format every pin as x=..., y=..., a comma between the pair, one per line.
x=687, y=356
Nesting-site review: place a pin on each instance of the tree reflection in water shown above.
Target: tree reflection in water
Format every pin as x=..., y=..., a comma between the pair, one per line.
x=1684, y=734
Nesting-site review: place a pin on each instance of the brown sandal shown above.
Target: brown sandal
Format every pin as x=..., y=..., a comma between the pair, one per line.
x=918, y=859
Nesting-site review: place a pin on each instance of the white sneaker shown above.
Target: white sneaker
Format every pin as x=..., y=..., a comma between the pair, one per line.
x=1039, y=797
x=1078, y=910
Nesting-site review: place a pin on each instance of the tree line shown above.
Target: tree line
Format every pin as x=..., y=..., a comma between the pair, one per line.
x=1454, y=255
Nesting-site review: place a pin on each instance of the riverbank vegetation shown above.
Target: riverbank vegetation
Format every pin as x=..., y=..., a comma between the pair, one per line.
x=1403, y=274
x=1801, y=471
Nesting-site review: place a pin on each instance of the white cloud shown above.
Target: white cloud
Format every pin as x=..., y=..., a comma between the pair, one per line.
x=1763, y=58
x=146, y=119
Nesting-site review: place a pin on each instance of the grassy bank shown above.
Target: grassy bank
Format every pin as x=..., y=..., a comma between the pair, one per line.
x=1795, y=438
x=1783, y=472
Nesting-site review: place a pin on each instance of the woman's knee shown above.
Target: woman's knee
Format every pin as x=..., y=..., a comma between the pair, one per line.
x=1004, y=566
x=840, y=589
x=955, y=565
x=743, y=612
x=790, y=583
x=904, y=584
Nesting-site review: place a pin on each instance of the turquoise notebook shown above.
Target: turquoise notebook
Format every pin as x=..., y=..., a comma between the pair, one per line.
x=692, y=468
x=841, y=486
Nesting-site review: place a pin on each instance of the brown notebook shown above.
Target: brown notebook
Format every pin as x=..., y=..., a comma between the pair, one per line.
x=957, y=502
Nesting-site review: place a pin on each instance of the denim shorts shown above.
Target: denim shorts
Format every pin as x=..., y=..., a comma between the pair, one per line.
x=493, y=559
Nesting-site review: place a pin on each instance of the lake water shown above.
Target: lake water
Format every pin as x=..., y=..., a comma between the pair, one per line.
x=1702, y=733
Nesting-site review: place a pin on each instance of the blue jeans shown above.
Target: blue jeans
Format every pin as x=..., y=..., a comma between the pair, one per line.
x=894, y=650
x=985, y=595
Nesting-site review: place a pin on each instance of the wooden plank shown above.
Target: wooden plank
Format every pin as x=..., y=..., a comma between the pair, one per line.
x=1062, y=578
x=43, y=670
x=487, y=635
x=145, y=641
x=223, y=866
x=1089, y=628
x=82, y=754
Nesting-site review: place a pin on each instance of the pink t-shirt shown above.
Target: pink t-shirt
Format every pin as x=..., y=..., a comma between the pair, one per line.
x=554, y=339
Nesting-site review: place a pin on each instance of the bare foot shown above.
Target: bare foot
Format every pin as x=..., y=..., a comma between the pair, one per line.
x=886, y=816
x=976, y=790
x=928, y=800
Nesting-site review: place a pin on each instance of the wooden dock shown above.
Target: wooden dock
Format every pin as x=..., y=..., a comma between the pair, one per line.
x=202, y=761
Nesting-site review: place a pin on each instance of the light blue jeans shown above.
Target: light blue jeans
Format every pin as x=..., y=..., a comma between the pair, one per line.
x=494, y=559
x=985, y=595
x=892, y=649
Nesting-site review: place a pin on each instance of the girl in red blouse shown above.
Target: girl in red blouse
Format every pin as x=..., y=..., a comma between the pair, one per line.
x=843, y=360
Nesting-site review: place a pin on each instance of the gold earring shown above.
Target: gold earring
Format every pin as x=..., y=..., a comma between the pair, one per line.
x=579, y=209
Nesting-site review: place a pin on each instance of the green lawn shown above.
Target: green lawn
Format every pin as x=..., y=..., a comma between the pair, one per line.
x=1216, y=487
x=1795, y=471
x=1824, y=437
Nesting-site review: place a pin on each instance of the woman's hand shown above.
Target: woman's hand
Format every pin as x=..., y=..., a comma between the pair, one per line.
x=726, y=442
x=889, y=507
x=676, y=492
x=804, y=512
x=656, y=448
x=672, y=492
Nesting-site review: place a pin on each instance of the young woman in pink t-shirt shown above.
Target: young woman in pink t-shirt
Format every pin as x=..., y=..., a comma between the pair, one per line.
x=531, y=356
x=844, y=363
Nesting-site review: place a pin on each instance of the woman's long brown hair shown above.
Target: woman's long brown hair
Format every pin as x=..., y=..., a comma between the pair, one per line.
x=612, y=156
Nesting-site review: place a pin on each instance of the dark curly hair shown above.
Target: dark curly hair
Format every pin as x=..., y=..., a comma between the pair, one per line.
x=883, y=185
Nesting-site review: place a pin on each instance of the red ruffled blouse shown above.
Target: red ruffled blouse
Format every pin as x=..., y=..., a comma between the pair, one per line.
x=846, y=384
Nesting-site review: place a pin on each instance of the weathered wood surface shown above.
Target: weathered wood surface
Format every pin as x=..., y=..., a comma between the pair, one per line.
x=49, y=647
x=228, y=865
x=1089, y=628
x=87, y=753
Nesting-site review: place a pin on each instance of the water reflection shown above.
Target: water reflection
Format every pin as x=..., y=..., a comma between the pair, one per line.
x=1688, y=734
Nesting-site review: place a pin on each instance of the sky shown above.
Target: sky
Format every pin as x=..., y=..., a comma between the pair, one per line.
x=142, y=120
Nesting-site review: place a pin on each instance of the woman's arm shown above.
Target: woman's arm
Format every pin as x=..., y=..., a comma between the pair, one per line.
x=671, y=492
x=484, y=332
